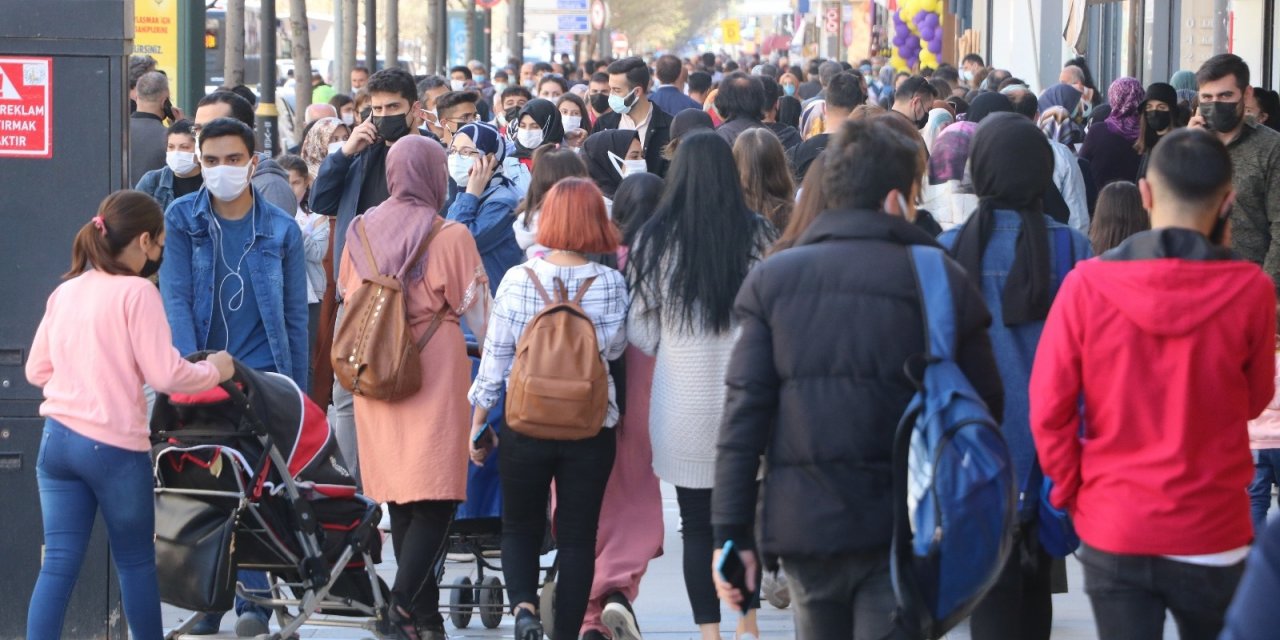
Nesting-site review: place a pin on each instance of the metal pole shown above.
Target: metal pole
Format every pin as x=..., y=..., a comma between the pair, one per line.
x=392, y=28
x=191, y=59
x=371, y=35
x=268, y=134
x=515, y=31
x=343, y=82
x=350, y=27
x=442, y=43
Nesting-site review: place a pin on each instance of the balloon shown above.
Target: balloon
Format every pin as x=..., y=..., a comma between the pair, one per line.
x=926, y=33
x=931, y=20
x=935, y=46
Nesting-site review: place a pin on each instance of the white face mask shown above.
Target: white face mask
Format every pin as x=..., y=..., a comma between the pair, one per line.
x=529, y=138
x=348, y=119
x=571, y=123
x=457, y=85
x=627, y=167
x=335, y=146
x=181, y=162
x=460, y=169
x=227, y=182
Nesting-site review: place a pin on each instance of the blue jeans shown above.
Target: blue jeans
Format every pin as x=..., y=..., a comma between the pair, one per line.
x=78, y=475
x=1266, y=474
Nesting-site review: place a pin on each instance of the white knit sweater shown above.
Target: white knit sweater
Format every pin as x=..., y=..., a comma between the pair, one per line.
x=687, y=400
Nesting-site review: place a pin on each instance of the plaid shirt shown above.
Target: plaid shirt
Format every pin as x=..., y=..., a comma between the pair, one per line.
x=517, y=302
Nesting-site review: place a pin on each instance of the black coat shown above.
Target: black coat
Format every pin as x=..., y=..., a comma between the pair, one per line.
x=655, y=141
x=816, y=385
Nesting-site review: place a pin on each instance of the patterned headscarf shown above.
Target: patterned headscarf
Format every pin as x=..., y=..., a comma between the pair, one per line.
x=315, y=148
x=950, y=153
x=1126, y=96
x=939, y=119
x=488, y=140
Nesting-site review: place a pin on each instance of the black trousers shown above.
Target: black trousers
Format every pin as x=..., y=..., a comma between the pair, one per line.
x=1020, y=605
x=581, y=470
x=1130, y=594
x=699, y=543
x=419, y=531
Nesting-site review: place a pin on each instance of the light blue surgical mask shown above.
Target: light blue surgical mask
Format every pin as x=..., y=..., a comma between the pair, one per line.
x=619, y=104
x=789, y=89
x=480, y=78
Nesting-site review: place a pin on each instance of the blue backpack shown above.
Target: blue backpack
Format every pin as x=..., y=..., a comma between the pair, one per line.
x=955, y=494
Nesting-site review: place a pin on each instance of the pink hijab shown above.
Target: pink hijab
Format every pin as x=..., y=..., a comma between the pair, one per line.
x=417, y=180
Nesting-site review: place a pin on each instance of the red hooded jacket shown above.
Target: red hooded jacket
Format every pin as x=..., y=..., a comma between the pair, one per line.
x=1172, y=358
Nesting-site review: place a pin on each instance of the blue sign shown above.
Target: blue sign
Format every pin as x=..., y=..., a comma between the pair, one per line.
x=571, y=5
x=573, y=24
x=457, y=38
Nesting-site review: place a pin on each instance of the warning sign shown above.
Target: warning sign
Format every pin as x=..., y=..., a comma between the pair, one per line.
x=26, y=107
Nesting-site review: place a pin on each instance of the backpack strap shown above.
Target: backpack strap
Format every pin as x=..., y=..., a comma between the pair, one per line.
x=438, y=318
x=368, y=248
x=582, y=291
x=537, y=285
x=936, y=303
x=422, y=248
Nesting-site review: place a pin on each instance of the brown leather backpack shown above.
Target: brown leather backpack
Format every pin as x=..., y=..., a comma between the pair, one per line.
x=559, y=386
x=374, y=354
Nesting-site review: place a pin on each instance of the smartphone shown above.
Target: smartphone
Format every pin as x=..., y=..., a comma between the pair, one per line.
x=480, y=437
x=168, y=111
x=732, y=570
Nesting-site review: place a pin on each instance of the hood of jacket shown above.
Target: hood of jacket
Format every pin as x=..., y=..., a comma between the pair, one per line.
x=1168, y=281
x=269, y=167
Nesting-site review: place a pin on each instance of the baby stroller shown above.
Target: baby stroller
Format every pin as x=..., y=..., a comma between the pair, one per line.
x=248, y=476
x=476, y=537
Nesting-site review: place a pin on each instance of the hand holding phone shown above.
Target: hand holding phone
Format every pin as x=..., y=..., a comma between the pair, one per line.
x=483, y=442
x=736, y=577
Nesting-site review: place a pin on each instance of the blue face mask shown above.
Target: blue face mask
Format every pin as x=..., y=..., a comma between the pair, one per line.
x=480, y=78
x=619, y=104
x=789, y=89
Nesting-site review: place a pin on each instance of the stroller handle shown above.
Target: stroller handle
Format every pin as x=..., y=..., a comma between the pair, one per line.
x=233, y=389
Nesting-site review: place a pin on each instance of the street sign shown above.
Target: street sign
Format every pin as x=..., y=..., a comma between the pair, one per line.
x=599, y=14
x=730, y=31
x=573, y=24
x=155, y=34
x=832, y=23
x=572, y=5
x=26, y=107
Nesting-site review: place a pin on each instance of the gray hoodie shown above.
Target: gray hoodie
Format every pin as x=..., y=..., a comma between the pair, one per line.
x=272, y=181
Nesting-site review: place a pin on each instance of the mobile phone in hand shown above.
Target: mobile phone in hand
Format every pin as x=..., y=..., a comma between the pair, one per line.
x=482, y=439
x=732, y=570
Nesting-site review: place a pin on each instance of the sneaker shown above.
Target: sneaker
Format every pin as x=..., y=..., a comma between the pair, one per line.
x=528, y=625
x=620, y=618
x=252, y=624
x=776, y=589
x=209, y=625
x=594, y=635
x=432, y=634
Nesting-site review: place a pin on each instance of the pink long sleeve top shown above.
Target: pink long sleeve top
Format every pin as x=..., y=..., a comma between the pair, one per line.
x=101, y=338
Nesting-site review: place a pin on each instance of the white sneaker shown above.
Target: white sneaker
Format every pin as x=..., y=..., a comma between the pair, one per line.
x=621, y=620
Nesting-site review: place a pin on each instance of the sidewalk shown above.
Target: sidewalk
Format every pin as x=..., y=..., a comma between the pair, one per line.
x=663, y=607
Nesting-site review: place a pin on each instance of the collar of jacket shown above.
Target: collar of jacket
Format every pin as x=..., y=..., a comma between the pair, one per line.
x=1172, y=242
x=203, y=211
x=864, y=224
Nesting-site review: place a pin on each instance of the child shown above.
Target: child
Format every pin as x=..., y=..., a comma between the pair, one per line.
x=315, y=241
x=1264, y=440
x=103, y=335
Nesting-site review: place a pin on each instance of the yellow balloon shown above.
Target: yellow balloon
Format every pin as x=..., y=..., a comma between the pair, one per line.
x=927, y=59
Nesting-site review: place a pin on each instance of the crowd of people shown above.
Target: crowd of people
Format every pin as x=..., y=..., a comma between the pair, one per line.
x=738, y=233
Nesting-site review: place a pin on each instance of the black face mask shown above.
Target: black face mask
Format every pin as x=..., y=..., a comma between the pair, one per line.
x=512, y=115
x=600, y=102
x=392, y=128
x=1221, y=116
x=1159, y=120
x=150, y=267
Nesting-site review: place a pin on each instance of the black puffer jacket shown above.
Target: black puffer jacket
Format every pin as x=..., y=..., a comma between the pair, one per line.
x=816, y=385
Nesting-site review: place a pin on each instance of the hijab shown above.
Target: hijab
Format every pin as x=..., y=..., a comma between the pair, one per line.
x=488, y=140
x=418, y=183
x=689, y=120
x=1125, y=97
x=597, y=149
x=1184, y=81
x=1012, y=168
x=951, y=153
x=1060, y=95
x=547, y=115
x=938, y=120
x=986, y=104
x=315, y=147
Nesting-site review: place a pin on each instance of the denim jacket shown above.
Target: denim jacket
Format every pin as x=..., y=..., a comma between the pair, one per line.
x=158, y=183
x=489, y=218
x=276, y=264
x=1015, y=347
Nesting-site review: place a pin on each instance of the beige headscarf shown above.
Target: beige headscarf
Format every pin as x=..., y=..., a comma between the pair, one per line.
x=316, y=145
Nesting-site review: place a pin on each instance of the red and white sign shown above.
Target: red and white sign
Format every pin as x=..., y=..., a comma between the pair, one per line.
x=26, y=107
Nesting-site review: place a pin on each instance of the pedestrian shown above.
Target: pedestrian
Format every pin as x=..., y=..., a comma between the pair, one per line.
x=147, y=131
x=1109, y=145
x=268, y=179
x=359, y=78
x=574, y=120
x=1013, y=252
x=414, y=449
x=914, y=98
x=786, y=133
x=1062, y=114
x=553, y=165
x=1264, y=440
x=573, y=223
x=346, y=108
x=315, y=246
x=825, y=513
x=939, y=119
x=684, y=123
x=1264, y=108
x=844, y=96
x=630, y=108
x=181, y=173
x=1159, y=116
x=611, y=156
x=234, y=278
x=811, y=201
x=1068, y=178
x=326, y=137
x=1120, y=214
x=538, y=124
x=789, y=111
x=670, y=95
x=487, y=206
x=1173, y=537
x=767, y=187
x=949, y=193
x=103, y=336
x=631, y=530
x=1255, y=159
x=1253, y=614
x=685, y=269
x=741, y=103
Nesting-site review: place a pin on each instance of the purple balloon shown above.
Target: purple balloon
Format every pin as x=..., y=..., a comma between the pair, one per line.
x=935, y=46
x=901, y=29
x=926, y=33
x=918, y=17
x=931, y=19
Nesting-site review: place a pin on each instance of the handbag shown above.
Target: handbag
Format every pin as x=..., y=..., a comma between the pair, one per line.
x=195, y=553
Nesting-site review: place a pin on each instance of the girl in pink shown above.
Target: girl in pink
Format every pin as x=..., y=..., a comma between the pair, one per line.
x=103, y=335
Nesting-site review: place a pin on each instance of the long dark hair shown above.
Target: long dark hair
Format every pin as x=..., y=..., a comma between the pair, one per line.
x=813, y=201
x=634, y=203
x=767, y=186
x=702, y=239
x=1119, y=214
x=122, y=216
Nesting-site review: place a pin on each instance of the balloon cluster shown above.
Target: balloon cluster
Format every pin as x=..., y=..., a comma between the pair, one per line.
x=917, y=34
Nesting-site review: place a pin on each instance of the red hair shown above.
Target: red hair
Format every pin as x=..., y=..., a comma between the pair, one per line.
x=573, y=218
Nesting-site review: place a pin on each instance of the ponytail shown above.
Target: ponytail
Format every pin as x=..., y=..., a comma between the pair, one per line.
x=122, y=216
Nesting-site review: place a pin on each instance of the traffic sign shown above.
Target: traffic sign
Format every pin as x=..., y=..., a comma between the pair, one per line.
x=26, y=107
x=599, y=15
x=730, y=31
x=572, y=5
x=573, y=24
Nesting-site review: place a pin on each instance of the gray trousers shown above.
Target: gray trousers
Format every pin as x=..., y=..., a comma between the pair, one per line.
x=342, y=418
x=842, y=597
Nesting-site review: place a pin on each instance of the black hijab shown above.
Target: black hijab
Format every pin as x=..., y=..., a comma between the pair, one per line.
x=545, y=113
x=596, y=151
x=1012, y=167
x=986, y=104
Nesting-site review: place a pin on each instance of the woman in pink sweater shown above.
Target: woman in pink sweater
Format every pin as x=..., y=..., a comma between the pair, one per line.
x=103, y=335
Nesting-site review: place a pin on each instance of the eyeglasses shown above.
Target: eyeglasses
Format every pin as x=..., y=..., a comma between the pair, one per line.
x=465, y=153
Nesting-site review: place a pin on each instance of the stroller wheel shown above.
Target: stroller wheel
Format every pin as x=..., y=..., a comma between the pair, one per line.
x=547, y=608
x=461, y=599
x=491, y=602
